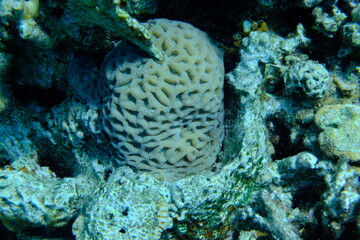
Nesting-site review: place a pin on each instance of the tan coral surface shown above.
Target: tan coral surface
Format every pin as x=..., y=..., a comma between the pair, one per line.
x=166, y=117
x=341, y=131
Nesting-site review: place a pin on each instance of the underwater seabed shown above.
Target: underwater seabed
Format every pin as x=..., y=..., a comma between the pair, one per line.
x=114, y=123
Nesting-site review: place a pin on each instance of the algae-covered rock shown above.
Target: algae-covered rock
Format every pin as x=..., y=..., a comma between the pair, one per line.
x=32, y=196
x=328, y=23
x=23, y=13
x=341, y=131
x=126, y=207
x=351, y=34
x=112, y=16
x=355, y=13
x=341, y=199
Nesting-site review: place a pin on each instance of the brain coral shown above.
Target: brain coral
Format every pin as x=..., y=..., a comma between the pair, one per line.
x=166, y=117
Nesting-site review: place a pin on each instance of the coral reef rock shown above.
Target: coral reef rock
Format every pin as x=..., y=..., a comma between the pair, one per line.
x=111, y=16
x=35, y=197
x=118, y=128
x=307, y=79
x=341, y=131
x=141, y=210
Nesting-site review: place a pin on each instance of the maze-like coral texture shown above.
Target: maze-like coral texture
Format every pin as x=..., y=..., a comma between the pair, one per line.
x=166, y=117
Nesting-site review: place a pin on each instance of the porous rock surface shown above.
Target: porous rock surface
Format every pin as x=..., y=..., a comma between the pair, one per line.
x=307, y=79
x=341, y=131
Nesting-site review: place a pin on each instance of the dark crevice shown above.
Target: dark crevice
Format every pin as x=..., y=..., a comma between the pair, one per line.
x=6, y=234
x=107, y=174
x=306, y=197
x=279, y=136
x=43, y=233
x=62, y=167
x=4, y=161
x=26, y=94
x=351, y=231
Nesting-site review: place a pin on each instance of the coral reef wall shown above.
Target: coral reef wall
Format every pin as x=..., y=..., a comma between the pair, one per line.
x=154, y=119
